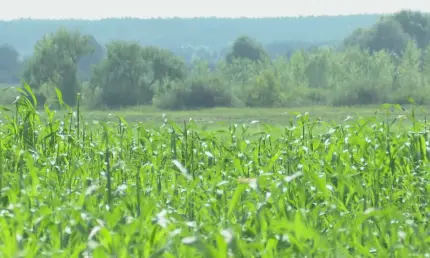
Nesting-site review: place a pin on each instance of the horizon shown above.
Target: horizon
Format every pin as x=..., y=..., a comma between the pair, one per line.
x=90, y=10
x=185, y=17
x=196, y=17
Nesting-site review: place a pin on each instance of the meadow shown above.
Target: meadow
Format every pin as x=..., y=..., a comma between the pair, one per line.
x=227, y=183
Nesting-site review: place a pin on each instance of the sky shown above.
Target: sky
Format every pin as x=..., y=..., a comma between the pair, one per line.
x=97, y=9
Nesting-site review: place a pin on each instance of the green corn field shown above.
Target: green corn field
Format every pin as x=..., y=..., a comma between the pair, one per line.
x=74, y=188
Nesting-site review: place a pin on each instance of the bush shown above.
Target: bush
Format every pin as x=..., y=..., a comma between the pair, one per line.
x=357, y=96
x=195, y=92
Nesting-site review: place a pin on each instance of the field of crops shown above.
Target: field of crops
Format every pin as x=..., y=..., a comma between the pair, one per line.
x=74, y=188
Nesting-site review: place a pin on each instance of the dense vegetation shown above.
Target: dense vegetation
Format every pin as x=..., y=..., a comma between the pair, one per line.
x=71, y=187
x=74, y=189
x=388, y=62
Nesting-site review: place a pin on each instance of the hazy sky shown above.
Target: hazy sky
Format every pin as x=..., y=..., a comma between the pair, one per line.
x=95, y=9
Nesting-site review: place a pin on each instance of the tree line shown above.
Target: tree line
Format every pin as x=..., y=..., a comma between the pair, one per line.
x=367, y=68
x=184, y=36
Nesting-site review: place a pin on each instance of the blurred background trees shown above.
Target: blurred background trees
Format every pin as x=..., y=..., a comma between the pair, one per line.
x=378, y=59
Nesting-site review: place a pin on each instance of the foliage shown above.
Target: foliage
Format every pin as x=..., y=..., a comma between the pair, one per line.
x=130, y=73
x=200, y=90
x=55, y=62
x=386, y=63
x=71, y=188
x=165, y=64
x=393, y=32
x=246, y=48
x=416, y=24
x=124, y=76
x=135, y=75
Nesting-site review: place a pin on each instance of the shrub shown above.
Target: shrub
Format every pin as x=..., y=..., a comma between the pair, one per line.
x=195, y=92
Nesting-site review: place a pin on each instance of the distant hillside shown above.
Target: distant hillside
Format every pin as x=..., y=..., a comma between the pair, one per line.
x=213, y=33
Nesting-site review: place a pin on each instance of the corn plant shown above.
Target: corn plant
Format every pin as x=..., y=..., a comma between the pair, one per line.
x=73, y=188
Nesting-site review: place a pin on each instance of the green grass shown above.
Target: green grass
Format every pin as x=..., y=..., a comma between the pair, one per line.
x=70, y=188
x=274, y=116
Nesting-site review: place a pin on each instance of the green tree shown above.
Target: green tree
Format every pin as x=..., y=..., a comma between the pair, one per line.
x=317, y=69
x=389, y=35
x=55, y=60
x=392, y=32
x=165, y=65
x=246, y=47
x=124, y=77
x=132, y=74
x=386, y=34
x=416, y=24
x=408, y=80
x=265, y=90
